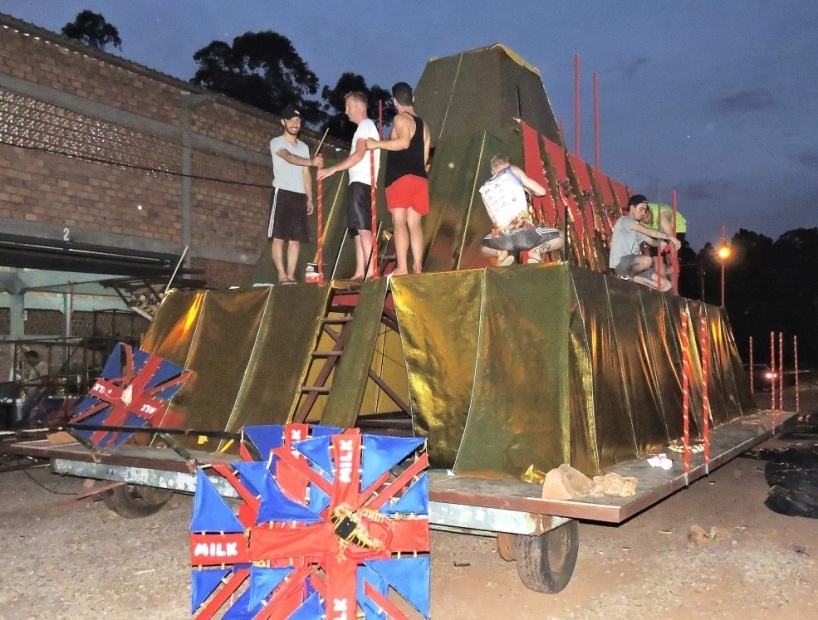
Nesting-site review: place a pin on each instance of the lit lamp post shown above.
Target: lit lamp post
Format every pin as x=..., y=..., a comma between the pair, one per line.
x=723, y=253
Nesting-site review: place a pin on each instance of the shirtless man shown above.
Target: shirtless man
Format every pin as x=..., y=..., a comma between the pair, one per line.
x=407, y=188
x=514, y=231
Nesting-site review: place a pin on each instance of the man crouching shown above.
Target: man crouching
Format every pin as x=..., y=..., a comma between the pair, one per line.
x=628, y=233
x=504, y=196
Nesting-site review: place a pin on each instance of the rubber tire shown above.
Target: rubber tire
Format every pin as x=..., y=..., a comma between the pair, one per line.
x=546, y=562
x=506, y=546
x=135, y=501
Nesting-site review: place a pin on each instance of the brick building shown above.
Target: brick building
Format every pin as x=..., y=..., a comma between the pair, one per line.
x=108, y=167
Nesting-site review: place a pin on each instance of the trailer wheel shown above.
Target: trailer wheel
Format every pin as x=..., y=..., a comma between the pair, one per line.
x=506, y=544
x=546, y=562
x=134, y=501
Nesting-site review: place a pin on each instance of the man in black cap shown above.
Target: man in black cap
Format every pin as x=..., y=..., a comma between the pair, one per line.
x=628, y=233
x=292, y=194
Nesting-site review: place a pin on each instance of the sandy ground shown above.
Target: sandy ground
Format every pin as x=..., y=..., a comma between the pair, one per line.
x=77, y=560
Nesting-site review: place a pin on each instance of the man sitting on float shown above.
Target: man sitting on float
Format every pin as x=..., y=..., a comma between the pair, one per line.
x=504, y=196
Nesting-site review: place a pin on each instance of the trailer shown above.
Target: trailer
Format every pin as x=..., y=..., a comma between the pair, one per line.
x=541, y=535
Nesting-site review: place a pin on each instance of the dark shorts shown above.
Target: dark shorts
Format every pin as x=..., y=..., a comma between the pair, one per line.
x=409, y=192
x=359, y=207
x=288, y=216
x=625, y=267
x=521, y=239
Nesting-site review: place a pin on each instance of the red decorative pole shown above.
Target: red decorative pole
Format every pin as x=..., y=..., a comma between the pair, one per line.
x=772, y=386
x=380, y=119
x=319, y=258
x=686, y=394
x=596, y=119
x=704, y=346
x=795, y=361
x=751, y=365
x=576, y=105
x=373, y=201
x=781, y=371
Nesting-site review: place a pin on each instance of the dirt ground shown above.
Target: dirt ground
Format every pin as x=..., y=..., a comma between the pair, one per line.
x=77, y=560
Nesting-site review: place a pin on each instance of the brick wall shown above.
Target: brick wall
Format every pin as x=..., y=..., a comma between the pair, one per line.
x=65, y=190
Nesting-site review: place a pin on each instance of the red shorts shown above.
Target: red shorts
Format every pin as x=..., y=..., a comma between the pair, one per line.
x=409, y=192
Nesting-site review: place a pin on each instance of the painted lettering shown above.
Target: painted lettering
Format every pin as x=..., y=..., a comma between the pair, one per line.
x=339, y=609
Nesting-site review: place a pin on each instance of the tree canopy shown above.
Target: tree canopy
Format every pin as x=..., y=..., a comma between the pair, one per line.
x=92, y=29
x=262, y=69
x=338, y=124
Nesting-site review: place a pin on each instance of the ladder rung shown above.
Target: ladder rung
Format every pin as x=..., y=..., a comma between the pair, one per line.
x=336, y=320
x=326, y=353
x=314, y=389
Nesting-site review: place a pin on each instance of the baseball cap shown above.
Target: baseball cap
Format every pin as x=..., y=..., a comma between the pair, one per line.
x=636, y=200
x=290, y=111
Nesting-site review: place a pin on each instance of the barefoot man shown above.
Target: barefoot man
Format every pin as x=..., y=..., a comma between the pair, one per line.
x=359, y=195
x=407, y=189
x=292, y=194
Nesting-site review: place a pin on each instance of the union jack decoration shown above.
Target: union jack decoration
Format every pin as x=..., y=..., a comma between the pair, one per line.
x=133, y=391
x=326, y=525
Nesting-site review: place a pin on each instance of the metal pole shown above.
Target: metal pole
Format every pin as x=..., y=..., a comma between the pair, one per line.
x=751, y=365
x=576, y=105
x=722, y=267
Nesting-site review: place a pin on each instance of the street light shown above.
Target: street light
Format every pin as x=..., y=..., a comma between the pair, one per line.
x=723, y=254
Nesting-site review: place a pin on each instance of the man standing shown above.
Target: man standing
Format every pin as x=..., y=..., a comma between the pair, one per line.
x=407, y=188
x=292, y=194
x=359, y=193
x=628, y=233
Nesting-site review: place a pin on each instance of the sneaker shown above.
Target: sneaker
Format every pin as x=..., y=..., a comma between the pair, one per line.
x=534, y=256
x=508, y=260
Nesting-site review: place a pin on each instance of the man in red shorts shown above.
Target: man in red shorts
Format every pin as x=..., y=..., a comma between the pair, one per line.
x=407, y=189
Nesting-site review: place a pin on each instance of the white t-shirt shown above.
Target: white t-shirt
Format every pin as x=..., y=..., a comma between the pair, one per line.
x=505, y=198
x=360, y=172
x=286, y=175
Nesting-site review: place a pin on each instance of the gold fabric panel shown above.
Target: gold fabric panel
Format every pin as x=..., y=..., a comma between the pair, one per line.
x=219, y=354
x=351, y=374
x=281, y=352
x=439, y=316
x=518, y=415
x=172, y=330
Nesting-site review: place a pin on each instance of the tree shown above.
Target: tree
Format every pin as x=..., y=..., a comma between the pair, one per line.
x=94, y=30
x=338, y=124
x=262, y=69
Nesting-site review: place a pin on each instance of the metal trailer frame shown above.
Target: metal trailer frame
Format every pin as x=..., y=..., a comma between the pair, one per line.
x=528, y=528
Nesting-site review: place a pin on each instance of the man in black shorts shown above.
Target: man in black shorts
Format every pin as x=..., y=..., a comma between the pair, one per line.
x=292, y=194
x=359, y=194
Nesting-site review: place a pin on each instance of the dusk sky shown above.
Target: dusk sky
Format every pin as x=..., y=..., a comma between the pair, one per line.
x=717, y=100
